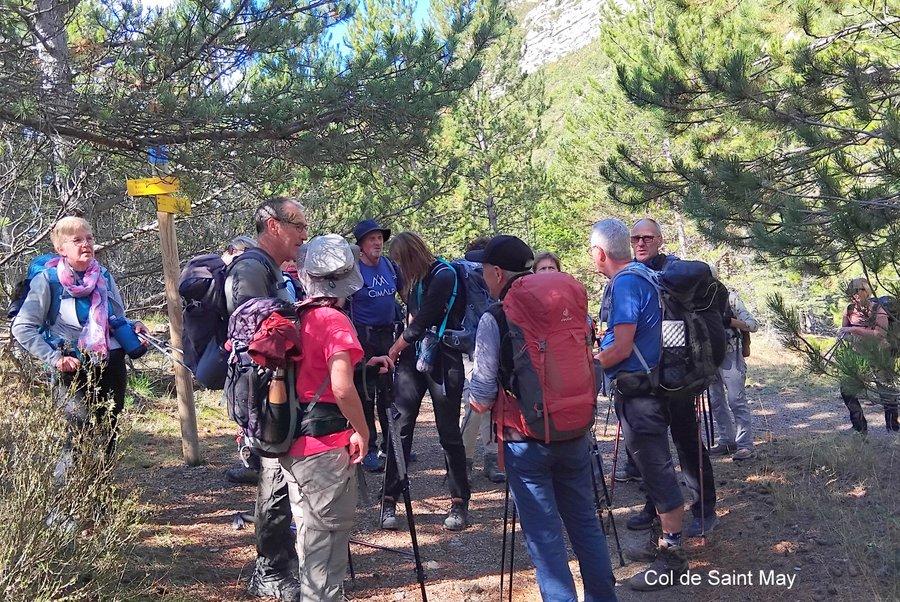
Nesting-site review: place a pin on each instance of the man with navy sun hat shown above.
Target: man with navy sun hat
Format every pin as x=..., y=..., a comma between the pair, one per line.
x=373, y=311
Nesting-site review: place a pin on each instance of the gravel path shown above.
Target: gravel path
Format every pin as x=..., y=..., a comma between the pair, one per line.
x=191, y=551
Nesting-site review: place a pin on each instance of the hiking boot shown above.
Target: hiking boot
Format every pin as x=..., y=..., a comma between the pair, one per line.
x=492, y=470
x=458, y=517
x=641, y=521
x=670, y=563
x=745, y=453
x=722, y=449
x=281, y=587
x=389, y=516
x=645, y=552
x=242, y=475
x=372, y=463
x=623, y=475
x=694, y=530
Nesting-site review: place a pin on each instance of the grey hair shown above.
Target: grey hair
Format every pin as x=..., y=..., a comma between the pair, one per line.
x=612, y=235
x=273, y=208
x=240, y=243
x=509, y=275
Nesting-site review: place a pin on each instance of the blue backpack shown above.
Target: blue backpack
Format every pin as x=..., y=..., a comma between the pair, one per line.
x=120, y=328
x=57, y=292
x=475, y=294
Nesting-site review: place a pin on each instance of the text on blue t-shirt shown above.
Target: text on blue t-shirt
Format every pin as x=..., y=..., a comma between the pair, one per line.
x=634, y=300
x=373, y=304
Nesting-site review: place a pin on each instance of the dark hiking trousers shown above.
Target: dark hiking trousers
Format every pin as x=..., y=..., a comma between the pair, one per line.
x=445, y=384
x=683, y=425
x=93, y=396
x=857, y=417
x=375, y=341
x=274, y=539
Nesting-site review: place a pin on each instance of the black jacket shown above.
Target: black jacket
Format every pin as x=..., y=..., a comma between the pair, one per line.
x=438, y=288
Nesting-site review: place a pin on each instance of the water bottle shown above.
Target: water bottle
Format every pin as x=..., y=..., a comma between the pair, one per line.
x=428, y=347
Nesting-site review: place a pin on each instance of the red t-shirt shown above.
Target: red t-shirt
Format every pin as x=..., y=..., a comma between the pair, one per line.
x=325, y=331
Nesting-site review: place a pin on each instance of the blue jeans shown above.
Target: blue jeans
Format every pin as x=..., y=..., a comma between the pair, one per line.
x=553, y=482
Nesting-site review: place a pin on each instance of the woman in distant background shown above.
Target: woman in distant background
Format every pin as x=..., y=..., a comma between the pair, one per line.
x=865, y=318
x=545, y=261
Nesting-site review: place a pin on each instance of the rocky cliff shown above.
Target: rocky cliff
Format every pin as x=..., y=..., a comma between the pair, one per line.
x=555, y=28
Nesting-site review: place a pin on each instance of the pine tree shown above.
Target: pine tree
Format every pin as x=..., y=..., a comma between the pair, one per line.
x=785, y=119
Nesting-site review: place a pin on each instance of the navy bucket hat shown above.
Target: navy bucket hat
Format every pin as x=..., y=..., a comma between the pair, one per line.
x=368, y=226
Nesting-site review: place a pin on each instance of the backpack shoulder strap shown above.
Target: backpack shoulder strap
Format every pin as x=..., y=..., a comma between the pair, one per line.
x=56, y=292
x=259, y=256
x=507, y=363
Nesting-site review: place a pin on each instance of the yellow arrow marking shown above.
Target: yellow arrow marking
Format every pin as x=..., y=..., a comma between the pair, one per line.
x=173, y=203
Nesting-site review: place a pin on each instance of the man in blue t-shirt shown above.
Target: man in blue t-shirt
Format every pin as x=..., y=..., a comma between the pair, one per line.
x=629, y=353
x=373, y=310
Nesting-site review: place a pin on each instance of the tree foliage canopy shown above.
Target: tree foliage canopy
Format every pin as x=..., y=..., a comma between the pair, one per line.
x=787, y=119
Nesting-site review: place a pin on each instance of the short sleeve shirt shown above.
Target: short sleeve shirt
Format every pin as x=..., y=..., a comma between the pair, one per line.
x=634, y=300
x=373, y=304
x=325, y=331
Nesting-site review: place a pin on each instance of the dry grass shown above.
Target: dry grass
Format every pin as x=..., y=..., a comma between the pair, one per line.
x=69, y=542
x=846, y=488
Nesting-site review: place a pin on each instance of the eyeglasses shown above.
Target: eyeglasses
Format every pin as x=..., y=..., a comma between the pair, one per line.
x=861, y=289
x=646, y=239
x=300, y=226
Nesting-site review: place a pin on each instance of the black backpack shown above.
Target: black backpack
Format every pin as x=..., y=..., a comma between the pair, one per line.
x=473, y=291
x=205, y=314
x=892, y=308
x=693, y=336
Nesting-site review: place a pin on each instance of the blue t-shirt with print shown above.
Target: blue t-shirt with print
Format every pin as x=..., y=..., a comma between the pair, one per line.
x=373, y=304
x=634, y=300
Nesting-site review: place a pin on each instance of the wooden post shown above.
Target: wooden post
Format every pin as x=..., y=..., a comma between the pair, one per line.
x=184, y=386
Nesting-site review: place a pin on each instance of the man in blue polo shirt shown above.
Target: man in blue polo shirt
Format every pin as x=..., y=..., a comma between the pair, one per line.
x=373, y=310
x=629, y=353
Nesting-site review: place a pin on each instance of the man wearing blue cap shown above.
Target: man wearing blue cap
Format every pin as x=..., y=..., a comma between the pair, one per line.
x=373, y=311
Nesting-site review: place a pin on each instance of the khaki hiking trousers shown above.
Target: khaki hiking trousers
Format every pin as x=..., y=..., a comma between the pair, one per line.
x=323, y=496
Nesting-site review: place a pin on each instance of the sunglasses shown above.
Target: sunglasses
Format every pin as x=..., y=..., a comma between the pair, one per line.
x=647, y=238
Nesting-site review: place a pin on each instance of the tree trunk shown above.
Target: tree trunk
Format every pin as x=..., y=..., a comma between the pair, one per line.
x=51, y=45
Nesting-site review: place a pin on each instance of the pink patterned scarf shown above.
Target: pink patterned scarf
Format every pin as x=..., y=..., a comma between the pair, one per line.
x=94, y=336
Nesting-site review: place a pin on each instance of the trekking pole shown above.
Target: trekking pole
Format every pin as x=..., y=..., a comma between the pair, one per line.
x=512, y=551
x=166, y=350
x=712, y=423
x=503, y=547
x=700, y=463
x=608, y=412
x=350, y=564
x=407, y=502
x=706, y=421
x=595, y=451
x=612, y=490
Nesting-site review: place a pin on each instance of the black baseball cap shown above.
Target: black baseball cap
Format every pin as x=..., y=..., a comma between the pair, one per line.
x=506, y=252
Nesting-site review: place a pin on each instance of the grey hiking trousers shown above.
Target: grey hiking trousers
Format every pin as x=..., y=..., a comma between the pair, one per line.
x=728, y=401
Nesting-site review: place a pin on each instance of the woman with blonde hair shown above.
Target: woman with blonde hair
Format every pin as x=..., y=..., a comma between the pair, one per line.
x=866, y=319
x=73, y=320
x=432, y=291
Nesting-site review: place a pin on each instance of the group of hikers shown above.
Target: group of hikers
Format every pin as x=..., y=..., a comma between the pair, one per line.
x=321, y=344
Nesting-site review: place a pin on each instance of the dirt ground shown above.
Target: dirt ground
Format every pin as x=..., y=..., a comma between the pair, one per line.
x=190, y=549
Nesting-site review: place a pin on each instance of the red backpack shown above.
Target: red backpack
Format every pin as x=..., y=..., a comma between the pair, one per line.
x=547, y=382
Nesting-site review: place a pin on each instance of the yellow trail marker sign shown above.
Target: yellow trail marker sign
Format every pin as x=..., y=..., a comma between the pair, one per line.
x=152, y=186
x=173, y=203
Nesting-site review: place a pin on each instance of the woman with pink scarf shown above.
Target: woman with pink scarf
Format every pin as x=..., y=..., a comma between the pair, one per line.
x=87, y=363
